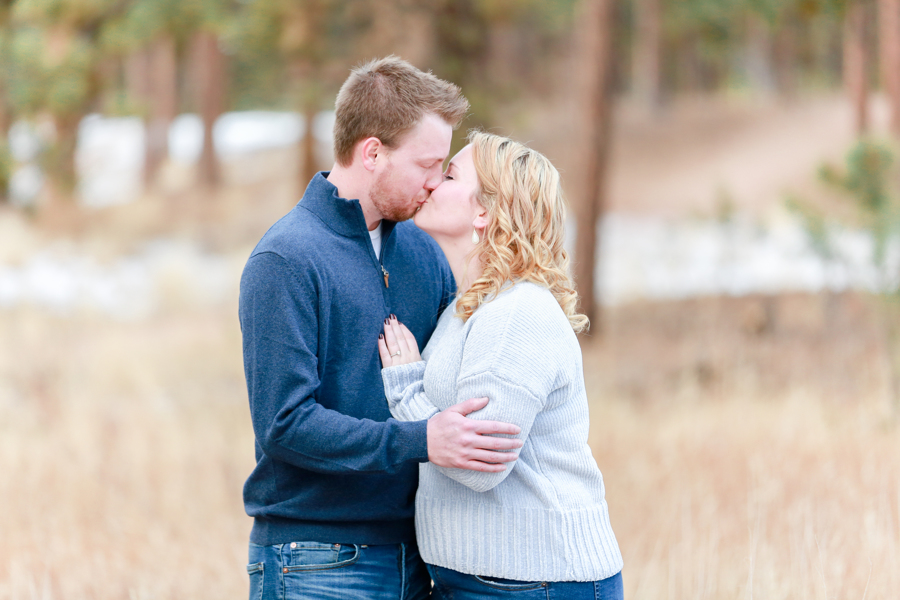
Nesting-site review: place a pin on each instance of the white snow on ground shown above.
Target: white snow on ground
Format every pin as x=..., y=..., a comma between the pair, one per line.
x=109, y=160
x=651, y=258
x=164, y=273
x=641, y=258
x=245, y=132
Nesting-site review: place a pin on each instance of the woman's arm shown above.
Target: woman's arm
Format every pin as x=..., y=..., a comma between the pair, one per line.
x=518, y=350
x=405, y=394
x=512, y=356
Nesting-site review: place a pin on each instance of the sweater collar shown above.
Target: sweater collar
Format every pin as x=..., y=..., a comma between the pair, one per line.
x=340, y=214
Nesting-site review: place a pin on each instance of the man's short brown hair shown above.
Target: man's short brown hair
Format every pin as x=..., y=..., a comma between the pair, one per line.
x=387, y=97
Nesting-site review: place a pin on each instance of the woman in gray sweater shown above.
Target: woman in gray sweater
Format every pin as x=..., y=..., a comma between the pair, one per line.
x=540, y=528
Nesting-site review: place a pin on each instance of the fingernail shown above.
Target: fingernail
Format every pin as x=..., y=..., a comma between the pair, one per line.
x=393, y=316
x=380, y=336
x=387, y=321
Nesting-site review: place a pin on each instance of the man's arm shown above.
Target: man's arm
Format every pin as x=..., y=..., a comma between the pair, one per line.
x=278, y=311
x=510, y=403
x=458, y=442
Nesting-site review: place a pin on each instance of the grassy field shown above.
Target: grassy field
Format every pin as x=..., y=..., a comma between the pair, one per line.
x=123, y=449
x=743, y=458
x=777, y=499
x=748, y=445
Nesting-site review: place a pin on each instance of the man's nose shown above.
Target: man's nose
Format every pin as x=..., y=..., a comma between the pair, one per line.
x=434, y=180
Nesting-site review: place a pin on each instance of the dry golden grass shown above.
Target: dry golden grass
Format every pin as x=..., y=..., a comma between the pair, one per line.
x=731, y=471
x=123, y=449
x=749, y=448
x=752, y=499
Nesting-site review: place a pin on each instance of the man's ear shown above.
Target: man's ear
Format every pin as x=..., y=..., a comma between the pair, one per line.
x=369, y=150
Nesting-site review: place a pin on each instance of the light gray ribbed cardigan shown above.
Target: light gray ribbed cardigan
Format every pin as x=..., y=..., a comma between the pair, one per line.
x=545, y=517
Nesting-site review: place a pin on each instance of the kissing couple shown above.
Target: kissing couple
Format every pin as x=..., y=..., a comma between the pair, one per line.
x=415, y=381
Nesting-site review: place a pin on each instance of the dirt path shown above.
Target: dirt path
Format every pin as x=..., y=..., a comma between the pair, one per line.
x=701, y=153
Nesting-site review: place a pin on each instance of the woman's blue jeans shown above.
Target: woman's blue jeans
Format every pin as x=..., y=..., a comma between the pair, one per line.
x=317, y=571
x=453, y=585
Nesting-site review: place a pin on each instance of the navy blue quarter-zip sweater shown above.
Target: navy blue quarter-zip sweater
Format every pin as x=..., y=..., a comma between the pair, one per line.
x=332, y=465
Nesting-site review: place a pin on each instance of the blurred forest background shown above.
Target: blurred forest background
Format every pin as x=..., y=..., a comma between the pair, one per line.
x=732, y=172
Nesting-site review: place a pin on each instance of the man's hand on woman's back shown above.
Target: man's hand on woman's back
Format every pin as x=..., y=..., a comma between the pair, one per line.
x=458, y=442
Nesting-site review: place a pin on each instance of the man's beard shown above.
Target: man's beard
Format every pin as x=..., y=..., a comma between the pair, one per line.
x=384, y=197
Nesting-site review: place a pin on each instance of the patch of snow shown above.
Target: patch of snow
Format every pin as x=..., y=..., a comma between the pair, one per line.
x=239, y=133
x=25, y=184
x=109, y=160
x=659, y=258
x=186, y=138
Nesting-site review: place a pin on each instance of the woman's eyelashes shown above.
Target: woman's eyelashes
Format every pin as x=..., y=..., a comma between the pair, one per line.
x=448, y=177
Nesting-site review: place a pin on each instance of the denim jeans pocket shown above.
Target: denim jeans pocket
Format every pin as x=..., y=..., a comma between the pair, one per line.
x=314, y=556
x=256, y=571
x=509, y=585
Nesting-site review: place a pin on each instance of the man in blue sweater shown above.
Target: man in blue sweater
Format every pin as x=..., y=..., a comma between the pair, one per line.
x=333, y=489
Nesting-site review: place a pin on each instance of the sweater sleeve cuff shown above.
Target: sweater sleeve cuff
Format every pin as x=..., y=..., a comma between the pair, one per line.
x=397, y=379
x=413, y=439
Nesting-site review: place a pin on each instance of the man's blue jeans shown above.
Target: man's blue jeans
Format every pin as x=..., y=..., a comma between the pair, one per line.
x=453, y=585
x=317, y=571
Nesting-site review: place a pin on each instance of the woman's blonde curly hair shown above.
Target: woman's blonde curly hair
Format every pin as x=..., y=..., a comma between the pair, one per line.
x=521, y=191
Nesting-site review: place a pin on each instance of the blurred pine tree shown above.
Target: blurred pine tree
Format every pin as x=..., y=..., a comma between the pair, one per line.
x=868, y=180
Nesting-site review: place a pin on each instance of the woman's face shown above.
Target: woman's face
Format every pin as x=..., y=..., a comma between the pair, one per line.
x=450, y=212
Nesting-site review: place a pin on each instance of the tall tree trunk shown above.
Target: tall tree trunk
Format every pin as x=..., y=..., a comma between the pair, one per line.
x=784, y=50
x=309, y=165
x=758, y=56
x=60, y=157
x=856, y=61
x=162, y=98
x=5, y=160
x=4, y=60
x=304, y=73
x=57, y=211
x=889, y=36
x=689, y=69
x=596, y=58
x=401, y=27
x=209, y=73
x=137, y=76
x=136, y=68
x=647, y=73
x=4, y=110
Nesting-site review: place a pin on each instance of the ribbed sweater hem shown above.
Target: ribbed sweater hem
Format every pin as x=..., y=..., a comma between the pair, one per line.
x=528, y=544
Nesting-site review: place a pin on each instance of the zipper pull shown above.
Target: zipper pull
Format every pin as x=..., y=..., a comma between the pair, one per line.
x=386, y=275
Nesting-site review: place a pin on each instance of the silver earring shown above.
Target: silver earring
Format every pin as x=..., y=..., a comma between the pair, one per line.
x=475, y=238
